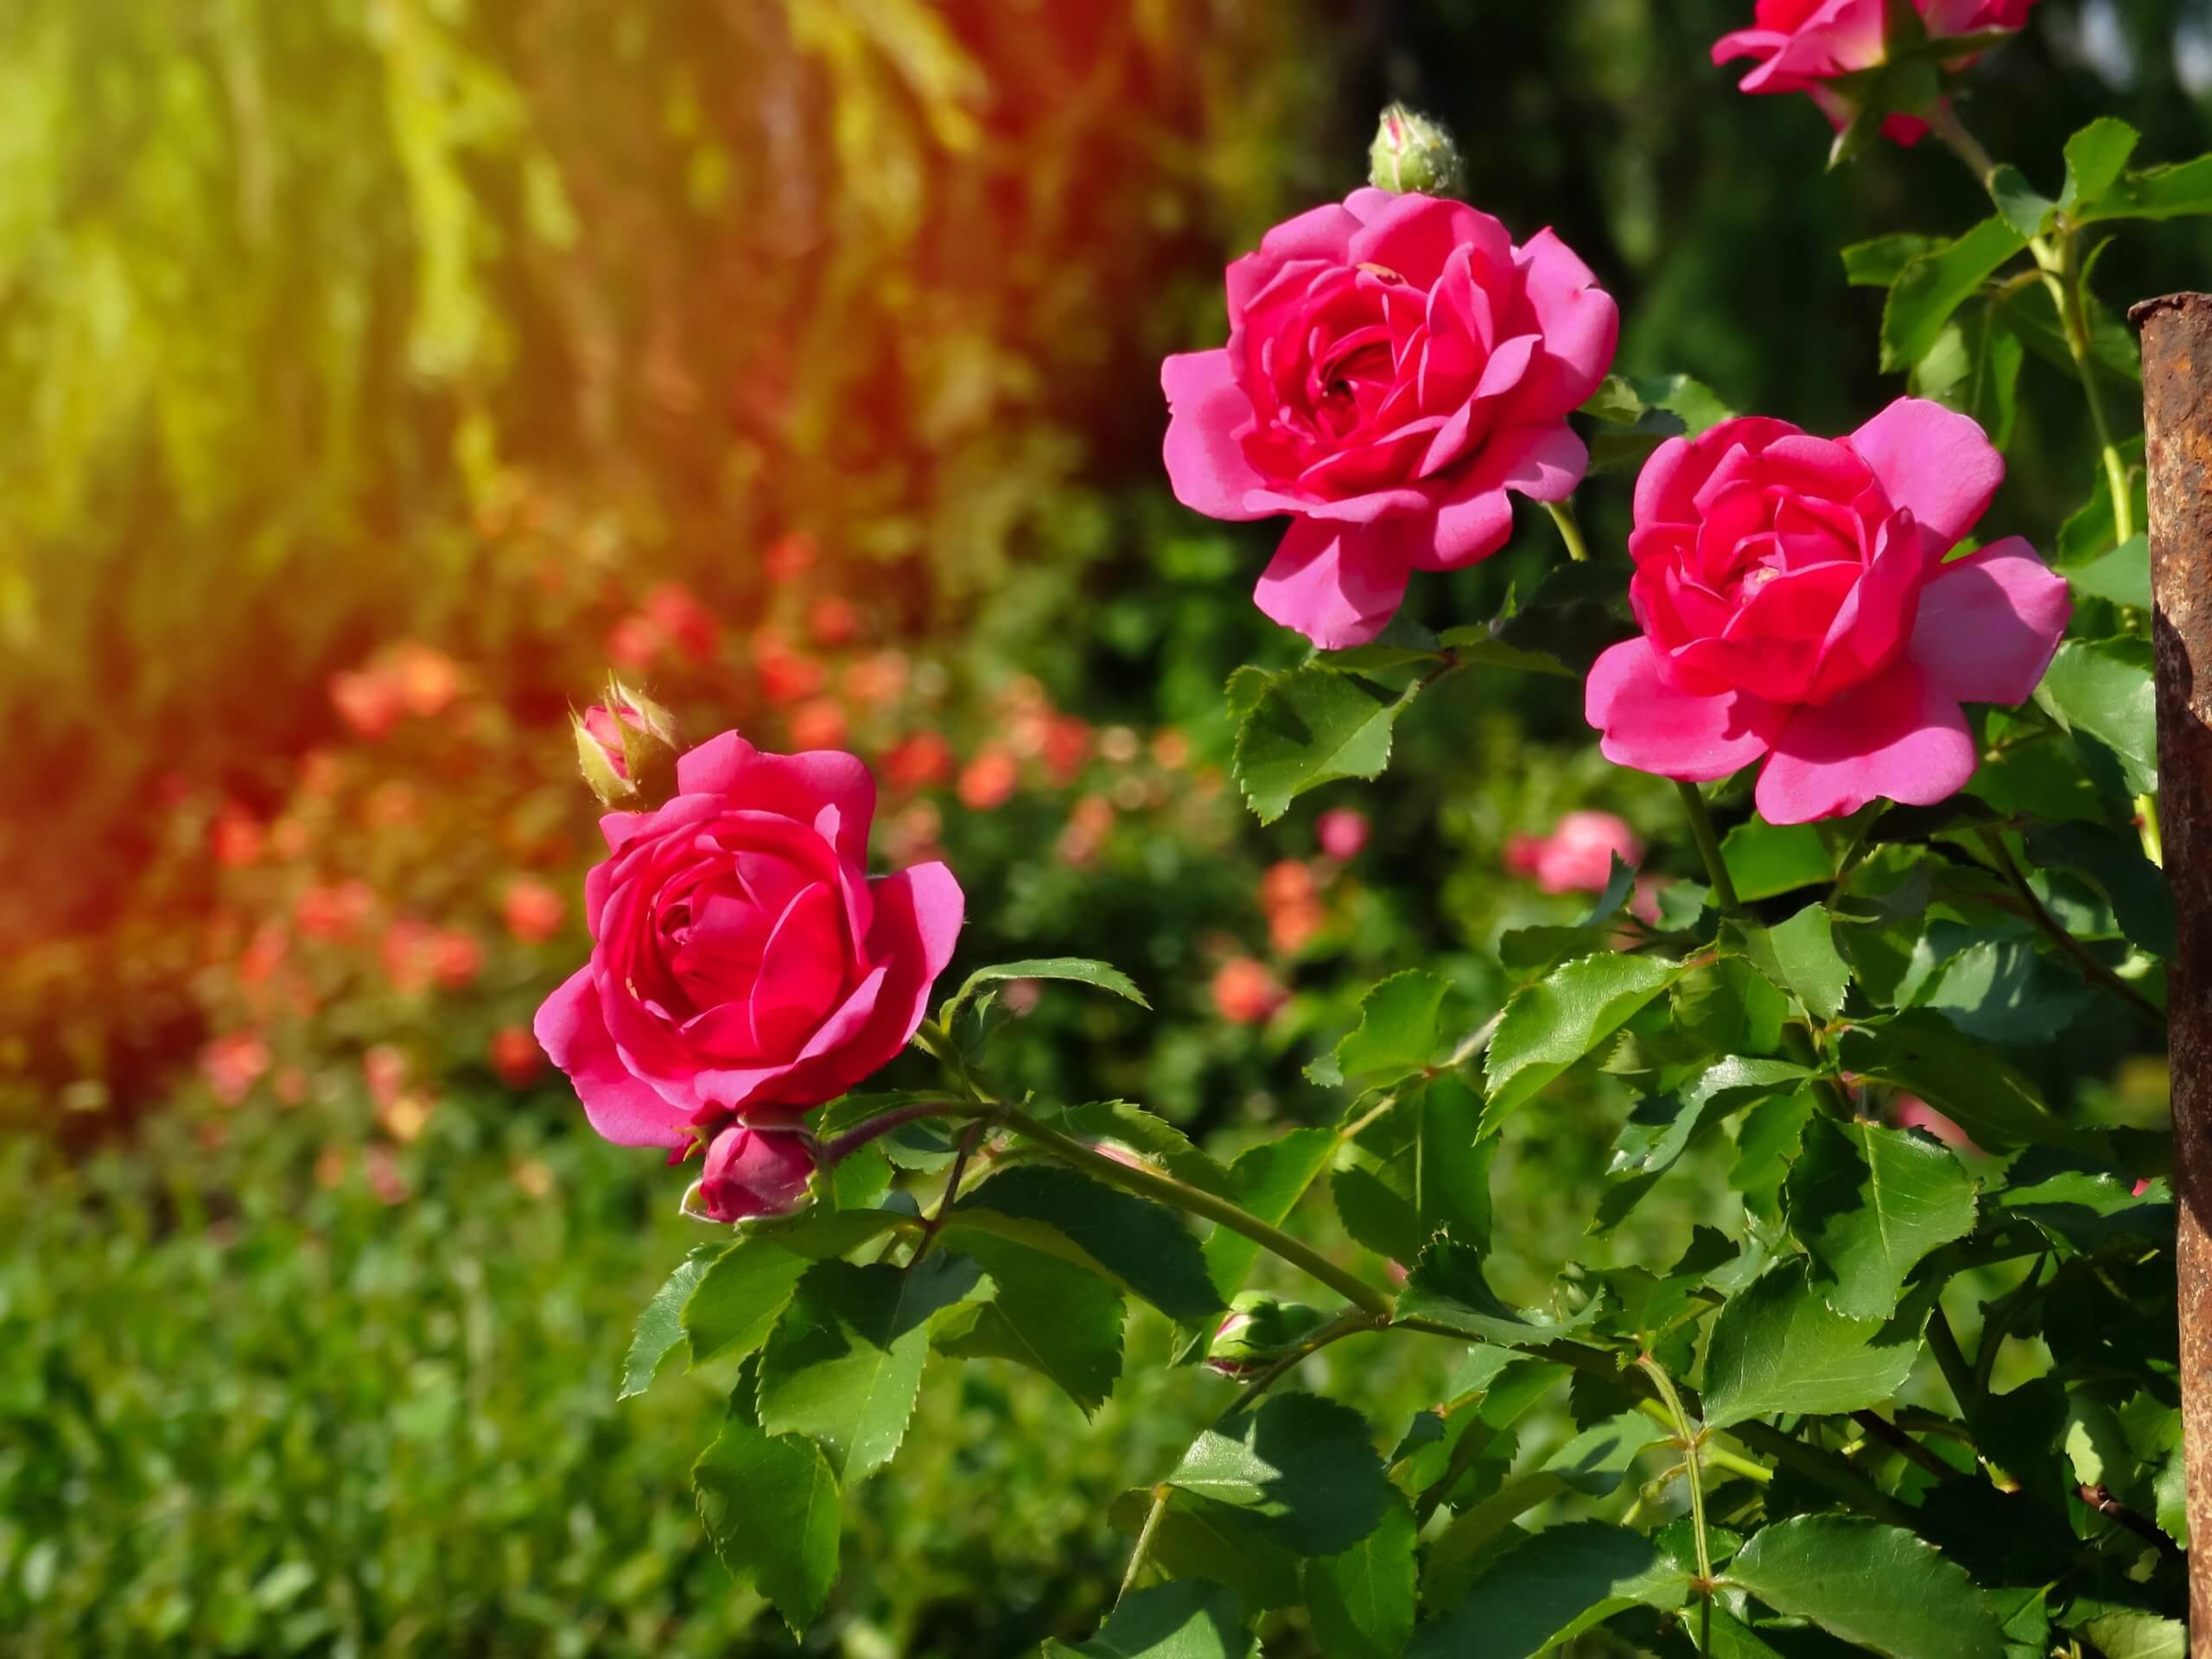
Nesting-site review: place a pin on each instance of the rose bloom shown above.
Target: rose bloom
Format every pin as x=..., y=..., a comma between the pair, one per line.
x=232, y=1065
x=532, y=911
x=754, y=1171
x=1803, y=45
x=1245, y=993
x=989, y=781
x=1396, y=364
x=1343, y=833
x=742, y=960
x=516, y=1056
x=1797, y=608
x=370, y=701
x=1578, y=855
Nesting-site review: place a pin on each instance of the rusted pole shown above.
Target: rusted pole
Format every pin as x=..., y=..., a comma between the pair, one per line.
x=2177, y=419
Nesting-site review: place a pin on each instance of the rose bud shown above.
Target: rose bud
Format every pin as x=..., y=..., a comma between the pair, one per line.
x=1411, y=152
x=1257, y=1330
x=757, y=1171
x=626, y=748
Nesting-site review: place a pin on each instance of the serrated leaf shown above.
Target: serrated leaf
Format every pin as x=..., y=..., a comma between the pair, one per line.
x=1804, y=954
x=1198, y=1539
x=738, y=1298
x=1141, y=1246
x=1553, y=1585
x=1299, y=1471
x=1552, y=1024
x=1125, y=1128
x=1397, y=1034
x=2104, y=688
x=1313, y=726
x=2095, y=157
x=2026, y=209
x=1376, y=1217
x=1077, y=969
x=771, y=1510
x=1446, y=1287
x=844, y=1363
x=1596, y=1461
x=1188, y=1619
x=1765, y=859
x=660, y=1325
x=1922, y=1051
x=1932, y=287
x=2179, y=191
x=1268, y=1180
x=1055, y=1319
x=2083, y=1206
x=1876, y=1585
x=1868, y=1204
x=1361, y=1600
x=1729, y=1006
x=2128, y=1635
x=1777, y=1346
x=2119, y=577
x=1881, y=261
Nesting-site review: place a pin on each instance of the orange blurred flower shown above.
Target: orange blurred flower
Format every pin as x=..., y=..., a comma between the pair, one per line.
x=236, y=838
x=334, y=910
x=989, y=781
x=516, y=1056
x=231, y=1066
x=370, y=700
x=532, y=909
x=789, y=556
x=1245, y=993
x=819, y=724
x=877, y=681
x=921, y=761
x=833, y=620
x=427, y=679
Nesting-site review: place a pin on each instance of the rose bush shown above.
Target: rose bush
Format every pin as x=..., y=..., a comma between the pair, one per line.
x=1796, y=604
x=742, y=962
x=1395, y=366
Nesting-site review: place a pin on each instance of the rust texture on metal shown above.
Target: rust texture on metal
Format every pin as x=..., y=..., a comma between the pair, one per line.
x=2178, y=418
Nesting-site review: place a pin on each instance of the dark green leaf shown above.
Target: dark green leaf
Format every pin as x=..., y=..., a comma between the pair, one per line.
x=1198, y=1539
x=1875, y=1585
x=771, y=1510
x=660, y=1325
x=1446, y=1287
x=1729, y=1006
x=1054, y=1318
x=1923, y=1053
x=2142, y=900
x=1188, y=1619
x=1929, y=289
x=1777, y=1346
x=1764, y=859
x=1554, y=1585
x=1313, y=726
x=1868, y=1202
x=1299, y=1471
x=1361, y=1600
x=1377, y=1218
x=1099, y=974
x=2104, y=688
x=844, y=1363
x=2095, y=157
x=1879, y=262
x=1141, y=1246
x=1597, y=1459
x=1550, y=1024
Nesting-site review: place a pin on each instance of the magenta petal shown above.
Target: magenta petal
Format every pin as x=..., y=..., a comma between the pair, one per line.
x=572, y=1031
x=793, y=786
x=1323, y=233
x=1206, y=462
x=1650, y=725
x=1474, y=519
x=1337, y=584
x=712, y=766
x=922, y=905
x=1667, y=488
x=1414, y=235
x=1581, y=328
x=1989, y=623
x=1934, y=461
x=1898, y=737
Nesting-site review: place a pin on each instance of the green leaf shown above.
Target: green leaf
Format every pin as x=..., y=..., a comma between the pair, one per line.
x=1143, y=1247
x=2128, y=1635
x=2095, y=157
x=1922, y=1051
x=1299, y=1471
x=1188, y=1619
x=1552, y=1024
x=1313, y=726
x=1554, y=1585
x=2180, y=191
x=1638, y=414
x=1361, y=1600
x=1805, y=957
x=2026, y=209
x=844, y=1363
x=1777, y=1346
x=740, y=1296
x=1127, y=1128
x=2120, y=578
x=660, y=1325
x=1397, y=1034
x=1198, y=1539
x=1447, y=1287
x=1377, y=1218
x=1765, y=859
x=1875, y=1585
x=1596, y=1460
x=1729, y=1006
x=771, y=1510
x=1929, y=289
x=2104, y=688
x=1268, y=1180
x=1054, y=1318
x=1879, y=262
x=1099, y=974
x=1868, y=1202
x=2093, y=531
x=1575, y=613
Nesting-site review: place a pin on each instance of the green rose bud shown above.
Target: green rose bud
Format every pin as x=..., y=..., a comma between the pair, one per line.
x=627, y=748
x=1257, y=1330
x=1412, y=152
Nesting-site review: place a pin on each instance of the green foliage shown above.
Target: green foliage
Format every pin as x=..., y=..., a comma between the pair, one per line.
x=1311, y=726
x=1878, y=1587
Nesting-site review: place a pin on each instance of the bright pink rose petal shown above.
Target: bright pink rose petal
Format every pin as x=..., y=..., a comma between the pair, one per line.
x=1650, y=725
x=1205, y=463
x=1935, y=463
x=1338, y=585
x=622, y=1107
x=1898, y=737
x=1989, y=623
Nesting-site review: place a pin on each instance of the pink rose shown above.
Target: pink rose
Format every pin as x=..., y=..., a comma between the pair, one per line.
x=1343, y=832
x=755, y=1172
x=1395, y=366
x=1804, y=45
x=1578, y=855
x=1796, y=604
x=742, y=960
x=1911, y=1112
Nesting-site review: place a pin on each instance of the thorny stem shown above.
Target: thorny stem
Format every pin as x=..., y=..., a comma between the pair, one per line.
x=1708, y=847
x=2008, y=866
x=1570, y=529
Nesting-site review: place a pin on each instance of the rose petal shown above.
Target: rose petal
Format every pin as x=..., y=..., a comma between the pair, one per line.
x=1336, y=584
x=1206, y=465
x=1667, y=487
x=1934, y=461
x=1899, y=737
x=1989, y=623
x=1650, y=725
x=1414, y=234
x=796, y=786
x=1543, y=463
x=622, y=1108
x=1581, y=327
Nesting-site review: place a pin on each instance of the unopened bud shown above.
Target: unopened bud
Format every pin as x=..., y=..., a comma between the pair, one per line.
x=627, y=748
x=1257, y=1330
x=756, y=1172
x=1412, y=152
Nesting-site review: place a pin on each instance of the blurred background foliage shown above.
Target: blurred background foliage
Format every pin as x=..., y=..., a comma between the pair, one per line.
x=376, y=370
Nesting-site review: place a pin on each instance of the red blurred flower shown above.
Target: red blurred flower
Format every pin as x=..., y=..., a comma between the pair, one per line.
x=989, y=781
x=533, y=911
x=1292, y=927
x=1089, y=825
x=334, y=910
x=1286, y=885
x=1067, y=748
x=632, y=644
x=236, y=836
x=263, y=954
x=786, y=676
x=921, y=761
x=1343, y=831
x=1245, y=993
x=1911, y=1112
x=516, y=1056
x=370, y=700
x=789, y=556
x=833, y=620
x=683, y=620
x=456, y=957
x=877, y=681
x=232, y=1065
x=819, y=724
x=383, y=1070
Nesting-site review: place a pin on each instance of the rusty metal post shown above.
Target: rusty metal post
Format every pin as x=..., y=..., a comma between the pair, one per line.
x=2177, y=420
